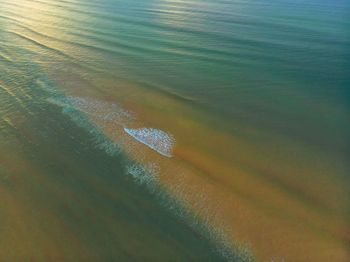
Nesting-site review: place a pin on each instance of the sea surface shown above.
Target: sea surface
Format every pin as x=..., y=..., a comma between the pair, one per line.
x=174, y=130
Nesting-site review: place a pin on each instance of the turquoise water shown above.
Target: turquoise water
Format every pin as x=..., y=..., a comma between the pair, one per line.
x=263, y=63
x=272, y=75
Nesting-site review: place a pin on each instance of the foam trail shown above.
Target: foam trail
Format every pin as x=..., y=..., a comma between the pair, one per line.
x=146, y=174
x=109, y=112
x=112, y=114
x=155, y=139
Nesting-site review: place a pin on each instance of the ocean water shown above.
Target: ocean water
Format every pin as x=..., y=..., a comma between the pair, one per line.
x=174, y=130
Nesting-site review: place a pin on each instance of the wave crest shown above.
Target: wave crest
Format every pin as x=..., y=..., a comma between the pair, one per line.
x=156, y=139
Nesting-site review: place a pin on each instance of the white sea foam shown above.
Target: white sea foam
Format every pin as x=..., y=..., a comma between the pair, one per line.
x=156, y=139
x=105, y=111
x=147, y=174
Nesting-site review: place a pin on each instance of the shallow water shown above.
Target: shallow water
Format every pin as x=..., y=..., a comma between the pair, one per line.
x=181, y=130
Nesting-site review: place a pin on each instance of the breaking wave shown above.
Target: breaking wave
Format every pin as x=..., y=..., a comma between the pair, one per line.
x=158, y=140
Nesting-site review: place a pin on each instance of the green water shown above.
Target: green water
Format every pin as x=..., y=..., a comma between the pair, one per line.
x=273, y=74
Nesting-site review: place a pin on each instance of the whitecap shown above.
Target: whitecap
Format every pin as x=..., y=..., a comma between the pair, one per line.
x=158, y=140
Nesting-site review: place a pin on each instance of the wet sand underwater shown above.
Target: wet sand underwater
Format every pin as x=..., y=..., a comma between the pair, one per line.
x=65, y=199
x=173, y=131
x=200, y=177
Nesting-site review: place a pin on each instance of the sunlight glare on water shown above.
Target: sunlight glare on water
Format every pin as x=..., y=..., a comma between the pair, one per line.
x=193, y=130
